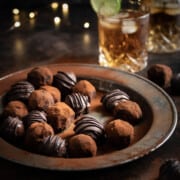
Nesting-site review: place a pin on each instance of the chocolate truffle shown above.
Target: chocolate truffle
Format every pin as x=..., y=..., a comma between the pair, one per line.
x=40, y=100
x=15, y=108
x=52, y=145
x=175, y=84
x=12, y=129
x=86, y=88
x=60, y=116
x=170, y=169
x=34, y=116
x=40, y=76
x=56, y=94
x=119, y=133
x=88, y=125
x=78, y=102
x=81, y=145
x=19, y=91
x=64, y=81
x=110, y=99
x=36, y=133
x=160, y=74
x=129, y=111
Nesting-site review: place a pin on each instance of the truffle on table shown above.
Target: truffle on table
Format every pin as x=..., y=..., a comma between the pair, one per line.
x=56, y=94
x=119, y=133
x=110, y=99
x=86, y=88
x=60, y=116
x=160, y=74
x=78, y=102
x=40, y=76
x=81, y=145
x=40, y=100
x=175, y=84
x=36, y=133
x=64, y=81
x=15, y=108
x=170, y=169
x=129, y=111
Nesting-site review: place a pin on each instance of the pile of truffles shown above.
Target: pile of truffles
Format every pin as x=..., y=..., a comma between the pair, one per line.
x=49, y=114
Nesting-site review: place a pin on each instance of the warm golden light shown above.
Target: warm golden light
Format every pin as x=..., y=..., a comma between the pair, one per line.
x=54, y=5
x=17, y=24
x=32, y=15
x=57, y=20
x=65, y=8
x=15, y=11
x=86, y=25
x=86, y=39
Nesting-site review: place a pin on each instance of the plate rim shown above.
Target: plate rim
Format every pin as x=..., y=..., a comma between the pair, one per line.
x=101, y=166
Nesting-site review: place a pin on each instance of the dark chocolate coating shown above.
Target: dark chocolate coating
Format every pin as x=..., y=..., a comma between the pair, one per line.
x=110, y=99
x=12, y=129
x=19, y=91
x=64, y=81
x=78, y=102
x=90, y=126
x=34, y=116
x=53, y=145
x=170, y=169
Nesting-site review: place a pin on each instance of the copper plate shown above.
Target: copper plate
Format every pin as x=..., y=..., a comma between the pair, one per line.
x=159, y=119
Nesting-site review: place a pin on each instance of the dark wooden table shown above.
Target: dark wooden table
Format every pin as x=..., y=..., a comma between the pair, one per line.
x=43, y=43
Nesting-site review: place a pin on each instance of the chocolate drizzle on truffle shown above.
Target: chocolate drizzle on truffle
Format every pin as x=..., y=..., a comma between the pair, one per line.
x=34, y=116
x=53, y=145
x=64, y=81
x=19, y=91
x=110, y=99
x=78, y=102
x=88, y=125
x=170, y=169
x=12, y=129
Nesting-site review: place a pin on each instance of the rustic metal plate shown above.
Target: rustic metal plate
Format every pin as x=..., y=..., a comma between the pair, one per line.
x=159, y=119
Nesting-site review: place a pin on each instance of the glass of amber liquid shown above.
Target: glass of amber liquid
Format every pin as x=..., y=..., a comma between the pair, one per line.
x=123, y=37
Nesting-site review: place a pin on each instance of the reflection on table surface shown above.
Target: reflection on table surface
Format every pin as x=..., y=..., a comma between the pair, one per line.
x=60, y=33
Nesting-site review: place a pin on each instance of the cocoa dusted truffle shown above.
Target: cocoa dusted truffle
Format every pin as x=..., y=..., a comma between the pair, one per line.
x=160, y=74
x=40, y=76
x=110, y=99
x=19, y=91
x=56, y=94
x=12, y=129
x=53, y=145
x=170, y=169
x=34, y=116
x=64, y=81
x=119, y=133
x=88, y=125
x=129, y=111
x=15, y=108
x=81, y=145
x=86, y=88
x=78, y=102
x=36, y=133
x=40, y=100
x=60, y=116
